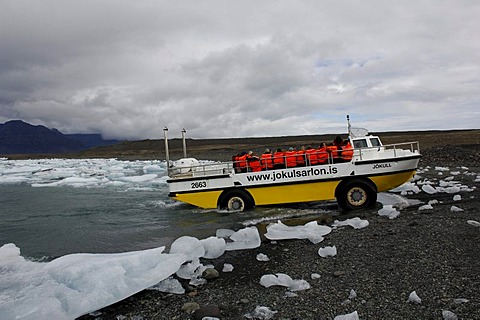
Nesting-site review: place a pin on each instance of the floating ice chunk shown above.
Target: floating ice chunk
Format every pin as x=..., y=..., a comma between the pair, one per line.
x=413, y=297
x=355, y=223
x=311, y=231
x=327, y=251
x=214, y=247
x=449, y=315
x=425, y=207
x=261, y=313
x=434, y=201
x=349, y=316
x=247, y=238
x=153, y=168
x=139, y=179
x=169, y=285
x=76, y=284
x=429, y=189
x=281, y=279
x=189, y=246
x=457, y=197
x=262, y=257
x=473, y=223
x=455, y=173
x=388, y=211
x=315, y=276
x=442, y=169
x=456, y=209
x=227, y=267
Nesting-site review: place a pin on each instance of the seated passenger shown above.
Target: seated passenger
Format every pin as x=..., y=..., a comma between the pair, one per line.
x=267, y=160
x=347, y=153
x=301, y=157
x=336, y=149
x=291, y=158
x=279, y=159
x=242, y=162
x=322, y=154
x=253, y=162
x=312, y=156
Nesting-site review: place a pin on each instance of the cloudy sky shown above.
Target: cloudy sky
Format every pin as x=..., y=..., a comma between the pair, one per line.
x=242, y=68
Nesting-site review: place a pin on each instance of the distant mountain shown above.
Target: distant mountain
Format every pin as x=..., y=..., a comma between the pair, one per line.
x=18, y=137
x=91, y=140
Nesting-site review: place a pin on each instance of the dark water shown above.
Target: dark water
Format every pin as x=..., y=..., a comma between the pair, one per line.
x=54, y=221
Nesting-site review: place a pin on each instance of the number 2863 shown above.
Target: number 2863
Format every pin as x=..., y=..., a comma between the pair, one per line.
x=199, y=184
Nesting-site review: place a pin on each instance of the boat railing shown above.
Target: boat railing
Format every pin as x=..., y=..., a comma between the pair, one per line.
x=394, y=150
x=413, y=147
x=200, y=170
x=226, y=168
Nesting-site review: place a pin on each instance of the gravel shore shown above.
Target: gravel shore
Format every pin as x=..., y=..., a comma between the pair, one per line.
x=435, y=253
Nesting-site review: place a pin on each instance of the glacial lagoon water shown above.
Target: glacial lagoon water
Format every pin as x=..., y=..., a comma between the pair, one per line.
x=53, y=207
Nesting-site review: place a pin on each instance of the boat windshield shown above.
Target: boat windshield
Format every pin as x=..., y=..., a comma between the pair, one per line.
x=375, y=142
x=360, y=143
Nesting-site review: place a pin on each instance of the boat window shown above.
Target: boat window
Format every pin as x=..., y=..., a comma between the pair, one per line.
x=375, y=142
x=361, y=143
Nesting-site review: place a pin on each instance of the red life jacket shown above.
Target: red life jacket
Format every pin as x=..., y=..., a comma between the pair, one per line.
x=254, y=164
x=312, y=156
x=278, y=158
x=291, y=159
x=333, y=150
x=322, y=155
x=300, y=158
x=347, y=153
x=267, y=160
x=242, y=161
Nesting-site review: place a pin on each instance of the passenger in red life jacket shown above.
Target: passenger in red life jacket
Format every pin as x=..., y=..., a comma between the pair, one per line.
x=267, y=160
x=347, y=153
x=242, y=162
x=253, y=162
x=322, y=153
x=235, y=163
x=336, y=149
x=291, y=158
x=312, y=156
x=279, y=159
x=301, y=157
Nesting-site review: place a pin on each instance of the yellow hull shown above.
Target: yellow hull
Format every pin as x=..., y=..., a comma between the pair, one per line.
x=292, y=193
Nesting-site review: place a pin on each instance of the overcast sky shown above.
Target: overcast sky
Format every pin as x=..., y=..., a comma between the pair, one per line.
x=241, y=68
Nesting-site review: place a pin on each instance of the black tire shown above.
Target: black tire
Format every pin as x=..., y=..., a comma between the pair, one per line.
x=236, y=200
x=356, y=194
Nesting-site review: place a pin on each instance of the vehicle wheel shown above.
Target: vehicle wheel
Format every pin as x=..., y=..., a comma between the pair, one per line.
x=356, y=194
x=237, y=200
